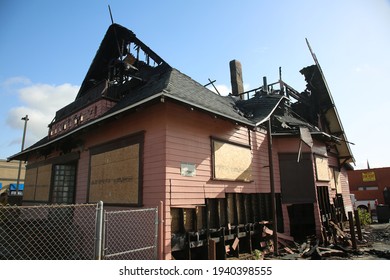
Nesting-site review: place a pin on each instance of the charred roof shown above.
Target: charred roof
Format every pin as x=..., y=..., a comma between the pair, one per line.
x=128, y=73
x=119, y=48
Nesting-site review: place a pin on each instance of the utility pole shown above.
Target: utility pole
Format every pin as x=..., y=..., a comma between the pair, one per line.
x=25, y=119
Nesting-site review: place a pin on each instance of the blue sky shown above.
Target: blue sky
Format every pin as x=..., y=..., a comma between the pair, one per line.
x=46, y=48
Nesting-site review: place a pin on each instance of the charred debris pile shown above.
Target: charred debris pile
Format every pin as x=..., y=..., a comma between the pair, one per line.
x=348, y=240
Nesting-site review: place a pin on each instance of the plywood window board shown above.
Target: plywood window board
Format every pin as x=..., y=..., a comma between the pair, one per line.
x=116, y=172
x=231, y=161
x=322, y=168
x=37, y=183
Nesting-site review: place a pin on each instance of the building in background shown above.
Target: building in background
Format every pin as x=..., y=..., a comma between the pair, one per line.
x=370, y=185
x=9, y=177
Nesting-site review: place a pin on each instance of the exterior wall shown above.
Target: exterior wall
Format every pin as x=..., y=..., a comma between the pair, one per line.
x=346, y=190
x=152, y=121
x=169, y=141
x=291, y=145
x=82, y=178
x=188, y=140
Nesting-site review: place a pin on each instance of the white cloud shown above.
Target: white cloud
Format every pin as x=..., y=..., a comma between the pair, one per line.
x=225, y=90
x=40, y=102
x=15, y=81
x=222, y=89
x=47, y=98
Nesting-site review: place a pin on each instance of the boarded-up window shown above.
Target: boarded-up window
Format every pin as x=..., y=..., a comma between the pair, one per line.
x=335, y=180
x=322, y=168
x=115, y=172
x=29, y=184
x=37, y=183
x=297, y=178
x=231, y=161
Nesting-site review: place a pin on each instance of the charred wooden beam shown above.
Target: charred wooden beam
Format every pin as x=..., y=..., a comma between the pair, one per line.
x=236, y=78
x=352, y=230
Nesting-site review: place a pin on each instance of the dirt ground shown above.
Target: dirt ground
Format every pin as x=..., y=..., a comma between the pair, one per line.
x=375, y=244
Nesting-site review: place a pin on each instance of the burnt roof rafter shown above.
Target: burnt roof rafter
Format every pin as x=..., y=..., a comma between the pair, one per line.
x=118, y=45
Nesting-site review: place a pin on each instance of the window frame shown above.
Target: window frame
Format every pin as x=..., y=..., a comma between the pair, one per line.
x=133, y=139
x=70, y=198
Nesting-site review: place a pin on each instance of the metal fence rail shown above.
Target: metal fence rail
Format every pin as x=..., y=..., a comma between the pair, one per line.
x=131, y=234
x=48, y=232
x=81, y=231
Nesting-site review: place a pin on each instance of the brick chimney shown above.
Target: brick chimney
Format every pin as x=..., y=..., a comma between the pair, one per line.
x=236, y=78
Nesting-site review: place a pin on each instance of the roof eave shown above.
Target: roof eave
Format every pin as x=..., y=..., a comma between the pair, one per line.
x=23, y=155
x=72, y=132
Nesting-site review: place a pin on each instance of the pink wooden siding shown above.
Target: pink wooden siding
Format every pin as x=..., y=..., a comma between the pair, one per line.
x=345, y=190
x=188, y=141
x=82, y=178
x=151, y=121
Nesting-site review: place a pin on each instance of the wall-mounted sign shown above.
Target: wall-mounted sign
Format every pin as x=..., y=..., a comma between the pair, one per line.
x=187, y=169
x=368, y=176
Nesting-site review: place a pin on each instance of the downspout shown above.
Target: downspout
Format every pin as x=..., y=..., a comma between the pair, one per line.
x=271, y=175
x=272, y=184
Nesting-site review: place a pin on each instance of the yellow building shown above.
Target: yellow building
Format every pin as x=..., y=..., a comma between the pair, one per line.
x=9, y=173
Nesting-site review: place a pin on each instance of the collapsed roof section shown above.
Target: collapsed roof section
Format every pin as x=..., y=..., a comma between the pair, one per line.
x=259, y=108
x=312, y=111
x=322, y=111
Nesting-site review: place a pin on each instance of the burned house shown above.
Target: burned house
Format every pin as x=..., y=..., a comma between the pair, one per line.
x=224, y=168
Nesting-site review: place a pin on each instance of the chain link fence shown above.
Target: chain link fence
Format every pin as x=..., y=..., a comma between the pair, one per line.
x=131, y=234
x=48, y=232
x=72, y=232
